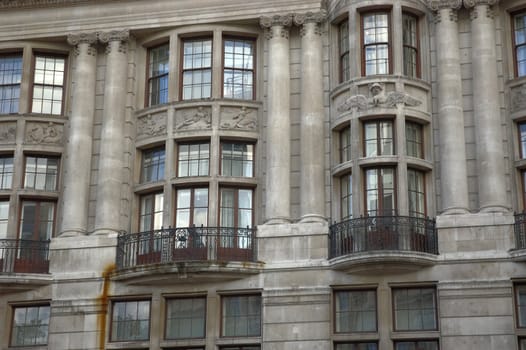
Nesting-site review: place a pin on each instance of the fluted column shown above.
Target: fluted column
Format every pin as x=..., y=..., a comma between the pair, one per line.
x=277, y=204
x=490, y=151
x=453, y=173
x=110, y=179
x=312, y=145
x=77, y=164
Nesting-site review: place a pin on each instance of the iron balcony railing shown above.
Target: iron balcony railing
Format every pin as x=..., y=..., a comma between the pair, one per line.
x=186, y=244
x=24, y=256
x=520, y=230
x=403, y=233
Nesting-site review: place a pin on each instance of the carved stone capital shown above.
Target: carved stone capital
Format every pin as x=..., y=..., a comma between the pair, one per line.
x=82, y=38
x=472, y=3
x=114, y=35
x=277, y=20
x=437, y=5
x=310, y=17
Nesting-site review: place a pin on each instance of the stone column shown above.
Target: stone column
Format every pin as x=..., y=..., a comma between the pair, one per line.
x=490, y=155
x=312, y=138
x=77, y=165
x=453, y=173
x=109, y=181
x=277, y=204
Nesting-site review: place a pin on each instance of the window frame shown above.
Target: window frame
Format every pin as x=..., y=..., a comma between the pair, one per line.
x=376, y=11
x=378, y=123
x=243, y=161
x=4, y=174
x=115, y=301
x=235, y=207
x=418, y=72
x=416, y=342
x=346, y=196
x=344, y=52
x=27, y=306
x=46, y=174
x=187, y=297
x=182, y=68
x=517, y=305
x=335, y=311
x=36, y=230
x=13, y=54
x=199, y=159
x=355, y=342
x=152, y=213
x=394, y=309
x=222, y=315
x=150, y=77
x=418, y=143
x=192, y=207
x=380, y=211
x=156, y=160
x=419, y=194
x=345, y=138
x=4, y=222
x=47, y=54
x=514, y=44
x=244, y=38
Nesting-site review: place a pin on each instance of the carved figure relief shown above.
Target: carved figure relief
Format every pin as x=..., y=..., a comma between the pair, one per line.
x=41, y=133
x=7, y=132
x=518, y=97
x=243, y=118
x=378, y=98
x=151, y=125
x=199, y=118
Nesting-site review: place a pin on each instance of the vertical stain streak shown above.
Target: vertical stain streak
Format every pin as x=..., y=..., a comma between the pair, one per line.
x=103, y=302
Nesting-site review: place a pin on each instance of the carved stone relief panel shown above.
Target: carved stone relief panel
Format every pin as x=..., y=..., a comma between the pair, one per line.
x=193, y=118
x=151, y=125
x=518, y=97
x=7, y=132
x=44, y=133
x=239, y=118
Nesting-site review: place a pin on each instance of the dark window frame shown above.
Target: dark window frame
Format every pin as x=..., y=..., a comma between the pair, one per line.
x=157, y=158
x=158, y=77
x=222, y=158
x=346, y=196
x=515, y=46
x=199, y=159
x=394, y=308
x=6, y=176
x=252, y=40
x=344, y=52
x=420, y=194
x=33, y=84
x=192, y=207
x=335, y=311
x=111, y=333
x=13, y=55
x=182, y=69
x=27, y=306
x=188, y=297
x=416, y=341
x=236, y=207
x=46, y=174
x=345, y=144
x=356, y=343
x=376, y=11
x=380, y=211
x=36, y=230
x=418, y=143
x=222, y=313
x=415, y=49
x=379, y=139
x=151, y=213
x=517, y=305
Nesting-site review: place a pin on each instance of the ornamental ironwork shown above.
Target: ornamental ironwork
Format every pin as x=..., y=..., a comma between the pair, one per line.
x=24, y=256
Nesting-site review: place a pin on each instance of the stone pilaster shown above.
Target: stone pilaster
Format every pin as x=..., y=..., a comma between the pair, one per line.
x=111, y=161
x=312, y=193
x=77, y=164
x=490, y=155
x=453, y=172
x=277, y=202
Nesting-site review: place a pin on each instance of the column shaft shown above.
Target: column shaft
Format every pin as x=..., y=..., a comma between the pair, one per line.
x=77, y=164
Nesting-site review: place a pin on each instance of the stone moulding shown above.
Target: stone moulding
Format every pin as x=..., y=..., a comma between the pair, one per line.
x=7, y=132
x=193, y=118
x=44, y=133
x=238, y=118
x=44, y=3
x=151, y=125
x=437, y=5
x=518, y=97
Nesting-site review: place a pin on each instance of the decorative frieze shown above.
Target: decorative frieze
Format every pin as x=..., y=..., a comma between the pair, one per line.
x=238, y=118
x=437, y=5
x=7, y=132
x=378, y=98
x=44, y=133
x=151, y=125
x=193, y=118
x=518, y=97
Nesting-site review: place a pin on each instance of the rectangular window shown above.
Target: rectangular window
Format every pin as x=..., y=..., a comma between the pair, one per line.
x=4, y=217
x=237, y=159
x=151, y=217
x=416, y=193
x=519, y=42
x=130, y=320
x=238, y=70
x=158, y=75
x=520, y=302
x=343, y=30
x=153, y=165
x=355, y=311
x=417, y=345
x=522, y=343
x=378, y=138
x=246, y=347
x=356, y=346
x=346, y=196
x=192, y=207
x=375, y=43
x=414, y=140
x=410, y=42
x=415, y=309
x=523, y=179
x=48, y=84
x=197, y=69
x=30, y=325
x=345, y=144
x=194, y=159
x=380, y=191
x=236, y=208
x=41, y=173
x=37, y=220
x=10, y=78
x=241, y=316
x=185, y=318
x=6, y=172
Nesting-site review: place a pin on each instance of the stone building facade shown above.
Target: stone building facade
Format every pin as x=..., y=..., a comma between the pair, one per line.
x=276, y=175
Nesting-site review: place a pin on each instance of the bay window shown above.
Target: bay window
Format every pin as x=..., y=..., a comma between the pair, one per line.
x=152, y=165
x=410, y=42
x=158, y=75
x=519, y=43
x=197, y=69
x=48, y=84
x=416, y=193
x=378, y=138
x=37, y=220
x=193, y=159
x=41, y=173
x=191, y=207
x=375, y=43
x=151, y=217
x=236, y=207
x=238, y=68
x=237, y=159
x=6, y=172
x=380, y=191
x=346, y=196
x=414, y=140
x=345, y=144
x=343, y=43
x=10, y=79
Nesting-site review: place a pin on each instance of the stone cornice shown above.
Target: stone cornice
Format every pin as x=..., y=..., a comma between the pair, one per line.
x=437, y=5
x=277, y=20
x=114, y=35
x=7, y=4
x=472, y=3
x=310, y=17
x=88, y=38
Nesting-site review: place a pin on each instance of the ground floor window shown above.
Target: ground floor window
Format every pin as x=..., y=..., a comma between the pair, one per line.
x=130, y=320
x=30, y=325
x=417, y=345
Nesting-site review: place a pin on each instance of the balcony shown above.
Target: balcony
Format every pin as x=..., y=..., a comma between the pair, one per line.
x=190, y=252
x=519, y=253
x=392, y=242
x=24, y=264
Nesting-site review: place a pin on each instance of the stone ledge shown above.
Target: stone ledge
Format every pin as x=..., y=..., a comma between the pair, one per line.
x=17, y=282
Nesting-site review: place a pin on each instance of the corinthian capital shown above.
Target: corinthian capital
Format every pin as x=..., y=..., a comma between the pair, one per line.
x=436, y=5
x=310, y=17
x=277, y=20
x=472, y=3
x=114, y=35
x=88, y=38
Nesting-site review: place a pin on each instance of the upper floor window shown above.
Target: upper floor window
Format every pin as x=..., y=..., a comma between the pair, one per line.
x=345, y=144
x=152, y=165
x=30, y=325
x=6, y=172
x=37, y=220
x=193, y=159
x=519, y=42
x=241, y=316
x=356, y=346
x=238, y=68
x=343, y=31
x=192, y=207
x=236, y=207
x=158, y=75
x=10, y=78
x=41, y=173
x=48, y=84
x=130, y=320
x=185, y=318
x=416, y=193
x=415, y=309
x=522, y=139
x=237, y=159
x=346, y=196
x=520, y=303
x=151, y=217
x=375, y=43
x=410, y=42
x=380, y=191
x=414, y=140
x=416, y=344
x=197, y=69
x=355, y=311
x=4, y=217
x=378, y=138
